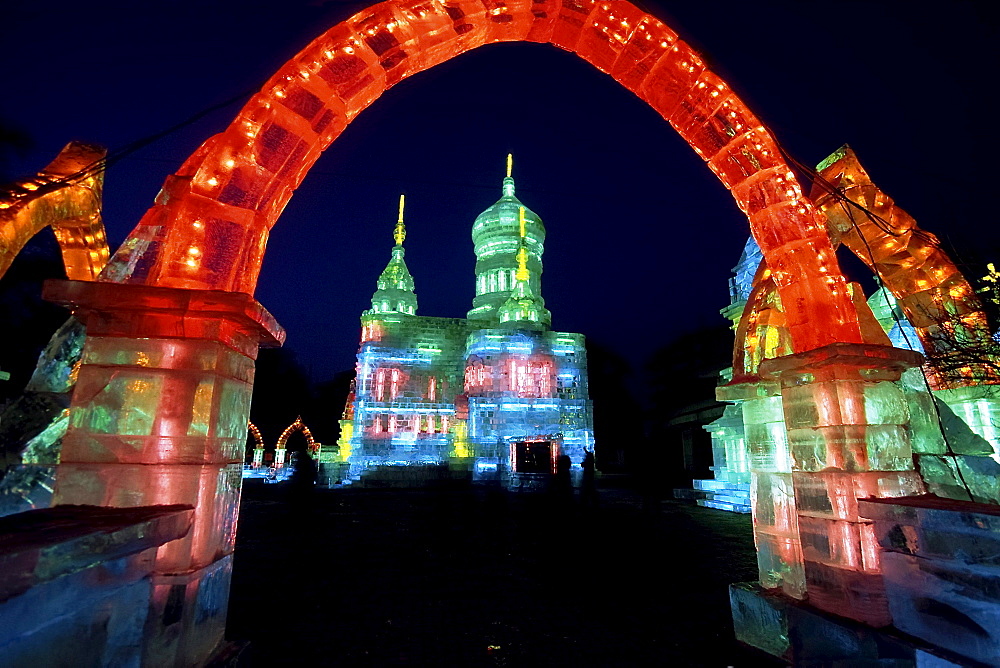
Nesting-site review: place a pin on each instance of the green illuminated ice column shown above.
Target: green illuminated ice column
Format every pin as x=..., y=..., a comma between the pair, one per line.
x=772, y=498
x=979, y=407
x=967, y=467
x=497, y=239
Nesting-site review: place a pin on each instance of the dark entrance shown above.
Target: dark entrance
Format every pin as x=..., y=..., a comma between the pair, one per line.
x=533, y=457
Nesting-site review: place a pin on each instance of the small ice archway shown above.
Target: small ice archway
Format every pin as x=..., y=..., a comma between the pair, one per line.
x=297, y=425
x=209, y=226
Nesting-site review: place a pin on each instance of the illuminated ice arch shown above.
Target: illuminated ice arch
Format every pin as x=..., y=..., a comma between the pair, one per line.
x=209, y=226
x=935, y=297
x=298, y=425
x=65, y=196
x=258, y=439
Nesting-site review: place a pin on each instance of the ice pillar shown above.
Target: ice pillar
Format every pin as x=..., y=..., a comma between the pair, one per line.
x=847, y=428
x=159, y=416
x=772, y=498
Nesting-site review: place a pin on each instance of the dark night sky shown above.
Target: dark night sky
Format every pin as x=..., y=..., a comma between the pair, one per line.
x=641, y=237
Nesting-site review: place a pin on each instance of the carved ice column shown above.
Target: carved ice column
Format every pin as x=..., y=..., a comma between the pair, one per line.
x=159, y=416
x=848, y=432
x=775, y=520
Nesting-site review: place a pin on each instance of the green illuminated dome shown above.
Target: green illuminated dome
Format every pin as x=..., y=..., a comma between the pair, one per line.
x=496, y=235
x=395, y=286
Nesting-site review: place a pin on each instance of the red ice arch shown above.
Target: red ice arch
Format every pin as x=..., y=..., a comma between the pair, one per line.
x=209, y=226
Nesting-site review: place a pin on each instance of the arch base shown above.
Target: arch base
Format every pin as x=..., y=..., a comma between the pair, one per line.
x=159, y=417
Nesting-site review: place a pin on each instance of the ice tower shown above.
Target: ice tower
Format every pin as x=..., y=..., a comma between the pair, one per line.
x=500, y=235
x=395, y=285
x=496, y=395
x=402, y=409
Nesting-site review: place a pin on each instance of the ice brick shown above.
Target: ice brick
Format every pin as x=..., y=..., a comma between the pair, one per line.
x=187, y=614
x=839, y=543
x=962, y=477
x=854, y=448
x=946, y=604
x=925, y=430
x=214, y=490
x=936, y=528
x=773, y=499
x=779, y=561
x=767, y=447
x=848, y=593
x=834, y=495
x=760, y=620
x=885, y=403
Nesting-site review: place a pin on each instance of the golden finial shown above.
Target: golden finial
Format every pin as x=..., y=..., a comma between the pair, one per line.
x=400, y=233
x=510, y=164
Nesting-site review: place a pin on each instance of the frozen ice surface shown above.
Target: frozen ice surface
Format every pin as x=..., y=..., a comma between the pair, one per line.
x=941, y=568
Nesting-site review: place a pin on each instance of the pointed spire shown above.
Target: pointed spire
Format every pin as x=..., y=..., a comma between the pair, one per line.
x=400, y=234
x=395, y=285
x=508, y=182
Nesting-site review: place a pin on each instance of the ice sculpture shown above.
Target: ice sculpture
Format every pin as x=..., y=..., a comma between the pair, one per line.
x=935, y=297
x=161, y=404
x=497, y=392
x=893, y=321
x=159, y=417
x=33, y=425
x=850, y=420
x=66, y=195
x=210, y=224
x=729, y=487
x=258, y=450
x=297, y=426
x=264, y=461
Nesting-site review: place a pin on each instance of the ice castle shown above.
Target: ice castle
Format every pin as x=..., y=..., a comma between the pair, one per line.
x=496, y=393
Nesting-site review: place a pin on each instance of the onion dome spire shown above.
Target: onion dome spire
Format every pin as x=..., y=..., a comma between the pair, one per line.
x=508, y=182
x=498, y=235
x=523, y=309
x=395, y=293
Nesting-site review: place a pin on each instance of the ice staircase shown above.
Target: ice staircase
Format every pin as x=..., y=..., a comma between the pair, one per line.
x=723, y=494
x=718, y=493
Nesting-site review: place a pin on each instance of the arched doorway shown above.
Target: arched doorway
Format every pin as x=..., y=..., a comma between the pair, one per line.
x=311, y=449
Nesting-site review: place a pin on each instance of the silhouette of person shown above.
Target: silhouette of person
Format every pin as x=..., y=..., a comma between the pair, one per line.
x=562, y=486
x=588, y=485
x=303, y=479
